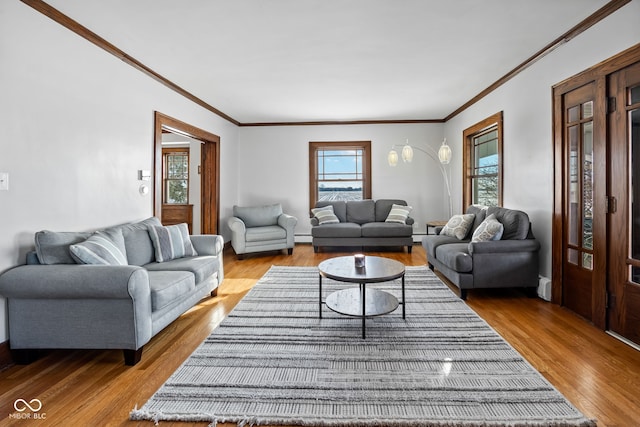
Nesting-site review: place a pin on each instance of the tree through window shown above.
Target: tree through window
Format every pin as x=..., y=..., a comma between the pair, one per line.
x=176, y=175
x=483, y=162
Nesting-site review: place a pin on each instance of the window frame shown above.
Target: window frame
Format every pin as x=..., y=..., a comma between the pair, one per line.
x=480, y=128
x=166, y=153
x=314, y=147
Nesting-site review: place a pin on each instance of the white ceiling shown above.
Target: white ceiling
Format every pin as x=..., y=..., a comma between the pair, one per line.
x=325, y=60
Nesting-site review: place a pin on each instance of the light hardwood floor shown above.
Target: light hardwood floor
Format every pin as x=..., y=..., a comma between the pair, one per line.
x=597, y=373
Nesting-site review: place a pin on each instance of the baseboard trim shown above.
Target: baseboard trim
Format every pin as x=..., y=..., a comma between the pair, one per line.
x=5, y=355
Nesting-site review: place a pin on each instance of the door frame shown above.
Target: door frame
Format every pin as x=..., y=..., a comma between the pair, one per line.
x=597, y=74
x=209, y=173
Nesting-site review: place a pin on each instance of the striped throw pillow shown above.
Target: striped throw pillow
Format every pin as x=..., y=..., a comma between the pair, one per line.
x=399, y=213
x=101, y=248
x=171, y=242
x=325, y=215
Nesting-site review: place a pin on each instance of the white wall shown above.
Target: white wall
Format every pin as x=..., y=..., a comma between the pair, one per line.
x=527, y=104
x=274, y=167
x=77, y=125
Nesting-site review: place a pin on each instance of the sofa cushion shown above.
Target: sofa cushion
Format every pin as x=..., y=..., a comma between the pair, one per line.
x=516, y=223
x=480, y=212
x=168, y=287
x=325, y=215
x=260, y=234
x=258, y=216
x=432, y=241
x=383, y=207
x=102, y=248
x=53, y=247
x=458, y=226
x=361, y=211
x=343, y=229
x=386, y=229
x=455, y=256
x=399, y=214
x=138, y=244
x=171, y=242
x=490, y=229
x=201, y=266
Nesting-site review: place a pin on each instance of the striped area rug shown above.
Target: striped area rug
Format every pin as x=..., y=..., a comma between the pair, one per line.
x=272, y=361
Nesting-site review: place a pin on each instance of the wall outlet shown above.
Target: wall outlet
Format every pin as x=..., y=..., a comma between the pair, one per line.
x=4, y=181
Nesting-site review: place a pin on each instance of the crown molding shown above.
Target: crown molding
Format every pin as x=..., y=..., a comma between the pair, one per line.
x=92, y=37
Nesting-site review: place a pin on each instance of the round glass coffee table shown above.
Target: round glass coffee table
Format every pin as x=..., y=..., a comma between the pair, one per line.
x=360, y=302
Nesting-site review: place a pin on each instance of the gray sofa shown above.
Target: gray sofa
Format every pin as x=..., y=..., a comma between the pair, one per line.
x=261, y=228
x=510, y=261
x=361, y=223
x=56, y=303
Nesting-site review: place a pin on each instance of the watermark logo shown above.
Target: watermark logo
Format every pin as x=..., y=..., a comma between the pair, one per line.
x=27, y=410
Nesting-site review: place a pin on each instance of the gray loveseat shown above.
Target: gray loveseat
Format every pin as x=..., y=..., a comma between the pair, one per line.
x=56, y=303
x=361, y=223
x=510, y=261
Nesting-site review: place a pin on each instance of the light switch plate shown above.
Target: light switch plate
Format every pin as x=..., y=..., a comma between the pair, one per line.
x=4, y=181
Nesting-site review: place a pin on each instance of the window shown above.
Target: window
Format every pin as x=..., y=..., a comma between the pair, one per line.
x=339, y=171
x=176, y=176
x=483, y=162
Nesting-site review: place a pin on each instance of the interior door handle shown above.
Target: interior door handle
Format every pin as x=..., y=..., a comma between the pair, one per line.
x=612, y=204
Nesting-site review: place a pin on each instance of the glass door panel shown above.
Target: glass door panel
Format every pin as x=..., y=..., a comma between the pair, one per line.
x=580, y=191
x=634, y=184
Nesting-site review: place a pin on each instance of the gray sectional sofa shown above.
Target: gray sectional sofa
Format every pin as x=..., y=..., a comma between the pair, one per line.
x=505, y=260
x=118, y=301
x=361, y=223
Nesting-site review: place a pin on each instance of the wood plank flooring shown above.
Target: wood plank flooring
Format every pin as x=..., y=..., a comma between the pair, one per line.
x=596, y=372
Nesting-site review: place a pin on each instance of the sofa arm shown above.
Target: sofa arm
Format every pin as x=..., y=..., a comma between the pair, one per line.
x=69, y=281
x=314, y=221
x=504, y=246
x=288, y=222
x=238, y=232
x=208, y=244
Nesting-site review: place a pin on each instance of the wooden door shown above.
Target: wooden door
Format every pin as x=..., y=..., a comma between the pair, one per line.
x=624, y=255
x=584, y=222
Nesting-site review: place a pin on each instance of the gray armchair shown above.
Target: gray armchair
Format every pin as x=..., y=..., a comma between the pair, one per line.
x=261, y=228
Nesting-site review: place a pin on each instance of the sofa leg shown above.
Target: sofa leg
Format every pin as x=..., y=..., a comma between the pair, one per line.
x=409, y=248
x=240, y=257
x=131, y=357
x=315, y=249
x=290, y=251
x=531, y=292
x=214, y=293
x=463, y=294
x=24, y=356
x=430, y=266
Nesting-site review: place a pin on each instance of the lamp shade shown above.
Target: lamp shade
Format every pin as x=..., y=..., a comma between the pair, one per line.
x=444, y=153
x=407, y=154
x=392, y=158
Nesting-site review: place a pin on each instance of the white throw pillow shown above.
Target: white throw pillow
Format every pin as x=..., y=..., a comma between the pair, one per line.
x=171, y=242
x=325, y=215
x=399, y=213
x=458, y=226
x=490, y=229
x=101, y=248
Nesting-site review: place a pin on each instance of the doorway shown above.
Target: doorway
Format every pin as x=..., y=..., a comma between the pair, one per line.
x=596, y=226
x=209, y=169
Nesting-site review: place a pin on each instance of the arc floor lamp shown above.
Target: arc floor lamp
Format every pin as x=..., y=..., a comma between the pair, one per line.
x=442, y=157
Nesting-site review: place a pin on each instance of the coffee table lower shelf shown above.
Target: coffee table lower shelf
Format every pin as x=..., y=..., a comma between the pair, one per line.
x=350, y=302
